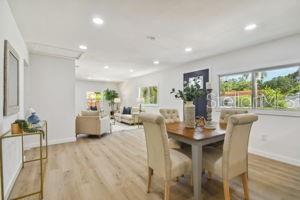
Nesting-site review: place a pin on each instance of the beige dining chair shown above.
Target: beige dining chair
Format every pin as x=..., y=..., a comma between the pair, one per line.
x=226, y=113
x=163, y=161
x=171, y=116
x=224, y=116
x=233, y=160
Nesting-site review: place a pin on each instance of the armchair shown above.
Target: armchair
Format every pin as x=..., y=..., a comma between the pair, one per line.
x=91, y=123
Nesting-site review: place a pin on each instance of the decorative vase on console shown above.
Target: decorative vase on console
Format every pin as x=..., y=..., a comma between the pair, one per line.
x=189, y=94
x=33, y=118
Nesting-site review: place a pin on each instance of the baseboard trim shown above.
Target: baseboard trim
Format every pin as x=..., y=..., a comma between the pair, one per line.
x=12, y=181
x=52, y=142
x=279, y=158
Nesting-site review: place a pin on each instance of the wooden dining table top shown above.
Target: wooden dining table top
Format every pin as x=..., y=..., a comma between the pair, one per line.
x=198, y=133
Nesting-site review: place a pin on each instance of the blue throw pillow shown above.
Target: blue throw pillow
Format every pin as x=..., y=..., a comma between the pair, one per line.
x=129, y=110
x=126, y=110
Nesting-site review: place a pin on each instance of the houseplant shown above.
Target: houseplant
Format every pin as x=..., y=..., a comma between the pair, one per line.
x=191, y=92
x=109, y=96
x=20, y=126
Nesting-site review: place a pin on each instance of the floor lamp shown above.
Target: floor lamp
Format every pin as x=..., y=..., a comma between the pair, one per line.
x=117, y=101
x=140, y=100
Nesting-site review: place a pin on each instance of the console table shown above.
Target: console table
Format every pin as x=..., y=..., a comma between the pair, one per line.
x=42, y=132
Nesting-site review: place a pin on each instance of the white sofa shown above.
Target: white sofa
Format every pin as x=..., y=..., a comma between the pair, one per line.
x=132, y=118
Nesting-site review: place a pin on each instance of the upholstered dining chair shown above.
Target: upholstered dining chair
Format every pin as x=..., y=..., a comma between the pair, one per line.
x=163, y=161
x=233, y=160
x=171, y=116
x=224, y=116
x=226, y=113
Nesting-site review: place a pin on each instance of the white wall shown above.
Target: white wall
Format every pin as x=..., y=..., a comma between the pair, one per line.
x=51, y=83
x=274, y=136
x=91, y=86
x=12, y=148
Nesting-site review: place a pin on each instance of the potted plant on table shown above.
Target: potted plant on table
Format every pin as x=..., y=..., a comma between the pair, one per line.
x=191, y=92
x=109, y=96
x=21, y=125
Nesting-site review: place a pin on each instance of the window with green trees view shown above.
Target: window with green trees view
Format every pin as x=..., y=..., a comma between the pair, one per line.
x=274, y=88
x=236, y=90
x=149, y=94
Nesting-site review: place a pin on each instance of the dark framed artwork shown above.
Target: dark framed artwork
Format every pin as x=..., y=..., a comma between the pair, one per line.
x=201, y=76
x=11, y=80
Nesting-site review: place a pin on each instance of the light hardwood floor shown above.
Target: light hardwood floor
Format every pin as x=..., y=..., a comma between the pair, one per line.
x=114, y=168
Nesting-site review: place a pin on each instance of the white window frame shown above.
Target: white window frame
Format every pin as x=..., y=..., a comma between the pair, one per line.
x=281, y=112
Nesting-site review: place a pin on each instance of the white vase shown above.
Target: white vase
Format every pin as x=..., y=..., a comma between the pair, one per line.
x=189, y=114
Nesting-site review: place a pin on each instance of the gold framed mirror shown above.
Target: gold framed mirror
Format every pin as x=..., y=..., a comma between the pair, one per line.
x=11, y=80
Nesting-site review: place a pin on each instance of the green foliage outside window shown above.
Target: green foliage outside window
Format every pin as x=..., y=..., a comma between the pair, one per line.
x=236, y=83
x=149, y=94
x=273, y=98
x=277, y=88
x=236, y=90
x=243, y=101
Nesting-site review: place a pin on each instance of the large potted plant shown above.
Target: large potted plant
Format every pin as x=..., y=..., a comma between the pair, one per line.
x=190, y=92
x=109, y=96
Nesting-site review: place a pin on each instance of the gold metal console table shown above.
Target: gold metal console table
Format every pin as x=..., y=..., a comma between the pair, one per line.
x=42, y=132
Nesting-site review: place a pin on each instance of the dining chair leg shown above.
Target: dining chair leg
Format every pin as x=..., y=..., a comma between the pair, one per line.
x=245, y=185
x=226, y=190
x=167, y=190
x=150, y=174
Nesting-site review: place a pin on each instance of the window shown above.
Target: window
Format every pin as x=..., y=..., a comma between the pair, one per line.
x=93, y=100
x=236, y=90
x=149, y=94
x=278, y=88
x=275, y=88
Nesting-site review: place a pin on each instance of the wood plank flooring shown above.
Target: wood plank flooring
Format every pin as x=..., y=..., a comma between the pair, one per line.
x=114, y=168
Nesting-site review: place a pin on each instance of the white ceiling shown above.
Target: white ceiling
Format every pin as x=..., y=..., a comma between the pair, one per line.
x=210, y=27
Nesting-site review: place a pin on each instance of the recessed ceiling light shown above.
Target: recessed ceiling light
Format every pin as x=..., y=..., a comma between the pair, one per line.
x=131, y=70
x=98, y=21
x=150, y=37
x=156, y=62
x=250, y=27
x=83, y=47
x=106, y=67
x=188, y=49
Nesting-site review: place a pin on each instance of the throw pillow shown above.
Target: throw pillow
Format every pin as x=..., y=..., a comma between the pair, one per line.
x=126, y=110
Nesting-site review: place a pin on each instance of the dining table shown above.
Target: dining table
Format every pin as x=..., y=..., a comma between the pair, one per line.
x=196, y=137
